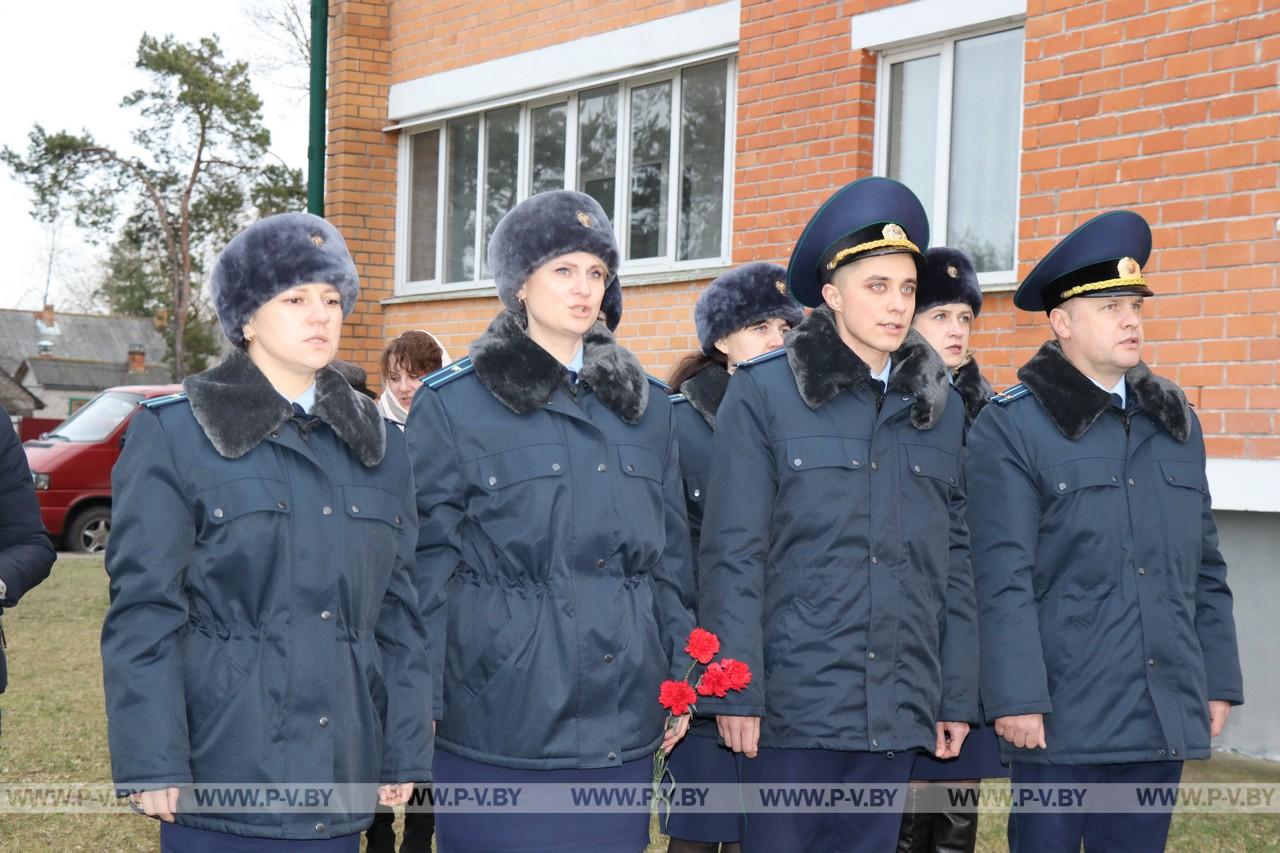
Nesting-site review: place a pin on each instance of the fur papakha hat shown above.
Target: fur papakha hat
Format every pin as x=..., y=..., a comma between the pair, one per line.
x=949, y=277
x=546, y=226
x=273, y=255
x=742, y=297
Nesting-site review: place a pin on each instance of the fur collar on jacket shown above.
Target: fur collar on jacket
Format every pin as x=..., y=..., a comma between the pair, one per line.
x=705, y=389
x=1074, y=403
x=973, y=388
x=238, y=408
x=523, y=375
x=824, y=366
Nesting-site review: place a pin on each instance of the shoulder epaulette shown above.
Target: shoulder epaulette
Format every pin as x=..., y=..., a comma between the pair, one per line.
x=666, y=389
x=678, y=398
x=447, y=374
x=166, y=400
x=1007, y=396
x=763, y=357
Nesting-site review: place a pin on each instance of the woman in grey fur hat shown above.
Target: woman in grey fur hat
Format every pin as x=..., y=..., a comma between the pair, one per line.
x=553, y=556
x=264, y=628
x=742, y=314
x=948, y=300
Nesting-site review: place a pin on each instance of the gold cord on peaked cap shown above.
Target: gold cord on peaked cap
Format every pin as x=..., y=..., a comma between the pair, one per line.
x=891, y=236
x=1129, y=275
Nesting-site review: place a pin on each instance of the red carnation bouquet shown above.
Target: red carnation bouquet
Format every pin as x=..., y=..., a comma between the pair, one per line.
x=717, y=679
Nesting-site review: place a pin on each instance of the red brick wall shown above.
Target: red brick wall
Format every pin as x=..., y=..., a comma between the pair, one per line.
x=1169, y=108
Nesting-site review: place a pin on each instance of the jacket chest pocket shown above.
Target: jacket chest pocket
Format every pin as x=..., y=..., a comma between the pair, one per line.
x=517, y=486
x=247, y=513
x=1181, y=505
x=1072, y=481
x=375, y=520
x=640, y=506
x=932, y=468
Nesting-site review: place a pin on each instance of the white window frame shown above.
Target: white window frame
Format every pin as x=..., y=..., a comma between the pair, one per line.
x=620, y=217
x=944, y=48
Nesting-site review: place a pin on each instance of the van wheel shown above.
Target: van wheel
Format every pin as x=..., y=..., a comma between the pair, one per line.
x=89, y=531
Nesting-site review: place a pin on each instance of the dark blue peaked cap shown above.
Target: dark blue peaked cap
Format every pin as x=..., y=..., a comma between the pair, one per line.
x=852, y=224
x=1102, y=257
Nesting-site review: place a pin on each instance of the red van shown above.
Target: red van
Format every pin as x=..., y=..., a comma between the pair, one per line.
x=71, y=466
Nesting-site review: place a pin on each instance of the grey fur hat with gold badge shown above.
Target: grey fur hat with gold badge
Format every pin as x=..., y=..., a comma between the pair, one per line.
x=546, y=226
x=741, y=297
x=949, y=278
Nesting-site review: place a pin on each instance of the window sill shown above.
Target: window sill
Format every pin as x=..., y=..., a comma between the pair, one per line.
x=487, y=290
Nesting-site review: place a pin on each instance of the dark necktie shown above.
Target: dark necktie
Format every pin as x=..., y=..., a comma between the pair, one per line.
x=1117, y=402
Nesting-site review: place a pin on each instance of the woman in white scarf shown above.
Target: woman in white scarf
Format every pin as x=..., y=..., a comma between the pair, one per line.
x=406, y=359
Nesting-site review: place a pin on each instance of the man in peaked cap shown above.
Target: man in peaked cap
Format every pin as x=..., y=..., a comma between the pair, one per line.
x=1108, y=645
x=834, y=555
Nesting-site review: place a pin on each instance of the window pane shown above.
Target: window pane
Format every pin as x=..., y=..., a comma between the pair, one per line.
x=703, y=94
x=425, y=173
x=460, y=216
x=502, y=150
x=984, y=148
x=598, y=146
x=548, y=148
x=650, y=161
x=913, y=128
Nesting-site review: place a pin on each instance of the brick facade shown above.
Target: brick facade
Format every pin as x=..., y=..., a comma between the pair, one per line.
x=1169, y=108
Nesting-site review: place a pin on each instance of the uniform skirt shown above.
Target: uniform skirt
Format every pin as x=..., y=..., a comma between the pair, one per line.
x=581, y=831
x=176, y=838
x=699, y=759
x=979, y=759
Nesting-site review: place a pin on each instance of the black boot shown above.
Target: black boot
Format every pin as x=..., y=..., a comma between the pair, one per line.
x=419, y=826
x=955, y=832
x=382, y=834
x=916, y=834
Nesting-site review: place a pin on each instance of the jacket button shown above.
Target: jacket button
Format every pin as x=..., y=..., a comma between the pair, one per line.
x=915, y=468
x=218, y=513
x=906, y=399
x=875, y=743
x=599, y=564
x=1142, y=570
x=1131, y=482
x=281, y=505
x=697, y=493
x=874, y=466
x=1161, y=751
x=1172, y=478
x=631, y=469
x=493, y=481
x=355, y=509
x=1114, y=478
x=796, y=462
x=613, y=756
x=327, y=511
x=324, y=722
x=1062, y=487
x=608, y=658
x=1151, y=661
x=854, y=462
x=1173, y=752
x=874, y=561
x=555, y=466
x=319, y=827
x=601, y=468
x=325, y=615
x=275, y=435
x=871, y=655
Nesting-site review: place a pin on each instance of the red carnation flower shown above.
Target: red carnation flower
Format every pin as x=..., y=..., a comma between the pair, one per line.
x=714, y=681
x=678, y=696
x=737, y=673
x=703, y=645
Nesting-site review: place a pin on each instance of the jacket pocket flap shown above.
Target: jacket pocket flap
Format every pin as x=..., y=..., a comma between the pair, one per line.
x=522, y=463
x=374, y=503
x=639, y=462
x=925, y=461
x=825, y=451
x=1082, y=474
x=231, y=500
x=1186, y=475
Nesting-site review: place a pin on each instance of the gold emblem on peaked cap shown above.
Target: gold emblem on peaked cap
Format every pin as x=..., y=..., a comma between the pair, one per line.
x=317, y=239
x=781, y=285
x=1128, y=268
x=953, y=271
x=585, y=219
x=893, y=231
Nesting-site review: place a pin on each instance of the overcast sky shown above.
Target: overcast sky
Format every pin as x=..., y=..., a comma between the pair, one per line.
x=66, y=64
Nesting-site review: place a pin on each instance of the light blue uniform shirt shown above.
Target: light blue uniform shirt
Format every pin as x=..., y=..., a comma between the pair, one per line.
x=306, y=399
x=1117, y=390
